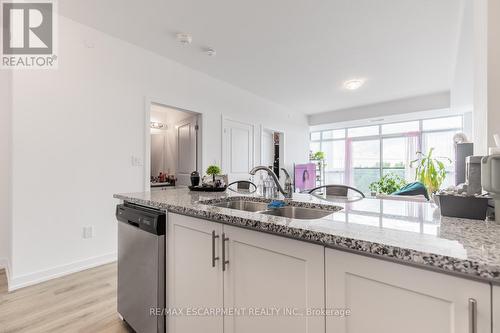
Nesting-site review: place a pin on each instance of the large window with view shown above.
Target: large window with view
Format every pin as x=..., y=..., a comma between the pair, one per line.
x=359, y=156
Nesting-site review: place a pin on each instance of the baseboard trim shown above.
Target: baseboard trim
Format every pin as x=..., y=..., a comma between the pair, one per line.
x=17, y=282
x=5, y=264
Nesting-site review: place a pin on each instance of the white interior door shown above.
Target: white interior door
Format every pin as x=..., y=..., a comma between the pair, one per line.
x=237, y=149
x=186, y=150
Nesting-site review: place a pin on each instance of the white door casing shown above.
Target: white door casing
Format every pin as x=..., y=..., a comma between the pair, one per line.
x=267, y=271
x=192, y=281
x=237, y=149
x=386, y=297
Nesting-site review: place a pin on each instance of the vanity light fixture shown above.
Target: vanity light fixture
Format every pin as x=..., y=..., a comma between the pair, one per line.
x=159, y=126
x=184, y=38
x=354, y=84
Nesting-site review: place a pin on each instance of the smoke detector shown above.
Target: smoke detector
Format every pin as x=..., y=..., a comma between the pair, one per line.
x=184, y=38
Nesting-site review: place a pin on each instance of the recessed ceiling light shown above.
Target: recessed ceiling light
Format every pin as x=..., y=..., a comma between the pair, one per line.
x=184, y=38
x=211, y=52
x=353, y=84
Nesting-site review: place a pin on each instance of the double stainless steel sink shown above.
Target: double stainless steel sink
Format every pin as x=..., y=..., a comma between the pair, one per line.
x=292, y=212
x=247, y=206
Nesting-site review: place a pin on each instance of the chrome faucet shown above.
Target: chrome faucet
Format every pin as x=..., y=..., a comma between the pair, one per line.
x=288, y=183
x=288, y=190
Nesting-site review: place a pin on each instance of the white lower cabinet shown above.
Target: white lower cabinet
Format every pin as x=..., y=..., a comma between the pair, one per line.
x=496, y=309
x=272, y=272
x=269, y=282
x=192, y=281
x=386, y=297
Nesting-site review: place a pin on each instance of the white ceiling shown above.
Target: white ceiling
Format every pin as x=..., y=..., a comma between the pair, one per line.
x=296, y=52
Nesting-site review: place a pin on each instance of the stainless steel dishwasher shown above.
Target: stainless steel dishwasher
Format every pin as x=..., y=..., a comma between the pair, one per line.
x=141, y=267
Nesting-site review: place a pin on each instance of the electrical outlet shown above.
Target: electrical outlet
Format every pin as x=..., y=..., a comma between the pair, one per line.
x=88, y=232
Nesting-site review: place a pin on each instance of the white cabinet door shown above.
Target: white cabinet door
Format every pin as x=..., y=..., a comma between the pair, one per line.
x=192, y=281
x=386, y=297
x=266, y=272
x=496, y=309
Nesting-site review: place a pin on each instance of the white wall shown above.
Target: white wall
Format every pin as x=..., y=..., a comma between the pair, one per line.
x=76, y=128
x=5, y=166
x=480, y=116
x=493, y=70
x=406, y=105
x=486, y=74
x=462, y=88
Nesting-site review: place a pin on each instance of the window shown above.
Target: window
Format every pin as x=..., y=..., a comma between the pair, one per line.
x=440, y=141
x=358, y=156
x=395, y=156
x=442, y=123
x=314, y=147
x=315, y=136
x=334, y=134
x=362, y=131
x=411, y=126
x=365, y=163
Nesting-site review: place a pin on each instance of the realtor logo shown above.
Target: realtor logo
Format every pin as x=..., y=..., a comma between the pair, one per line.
x=28, y=35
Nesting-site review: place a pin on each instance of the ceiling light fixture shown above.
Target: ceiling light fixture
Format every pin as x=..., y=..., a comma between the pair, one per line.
x=353, y=84
x=158, y=125
x=211, y=52
x=184, y=38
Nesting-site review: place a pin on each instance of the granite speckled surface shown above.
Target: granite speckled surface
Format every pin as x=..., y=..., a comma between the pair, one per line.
x=408, y=232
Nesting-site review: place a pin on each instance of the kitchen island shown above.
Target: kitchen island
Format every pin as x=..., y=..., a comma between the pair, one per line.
x=221, y=258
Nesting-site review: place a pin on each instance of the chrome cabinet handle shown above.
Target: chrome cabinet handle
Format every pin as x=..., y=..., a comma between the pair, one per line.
x=472, y=315
x=214, y=258
x=224, y=261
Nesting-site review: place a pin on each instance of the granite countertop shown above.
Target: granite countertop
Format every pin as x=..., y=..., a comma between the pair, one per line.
x=407, y=232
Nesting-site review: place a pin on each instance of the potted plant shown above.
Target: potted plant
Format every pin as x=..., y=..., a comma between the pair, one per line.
x=388, y=184
x=431, y=171
x=213, y=170
x=318, y=156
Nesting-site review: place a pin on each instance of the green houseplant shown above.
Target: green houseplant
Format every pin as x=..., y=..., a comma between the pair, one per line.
x=213, y=170
x=388, y=184
x=318, y=156
x=430, y=171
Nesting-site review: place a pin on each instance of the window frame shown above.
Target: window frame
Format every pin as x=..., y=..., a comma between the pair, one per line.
x=381, y=137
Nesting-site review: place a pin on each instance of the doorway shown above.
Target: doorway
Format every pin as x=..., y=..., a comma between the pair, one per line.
x=272, y=149
x=174, y=136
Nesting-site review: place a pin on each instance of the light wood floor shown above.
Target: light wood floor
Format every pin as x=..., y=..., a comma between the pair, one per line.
x=80, y=302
